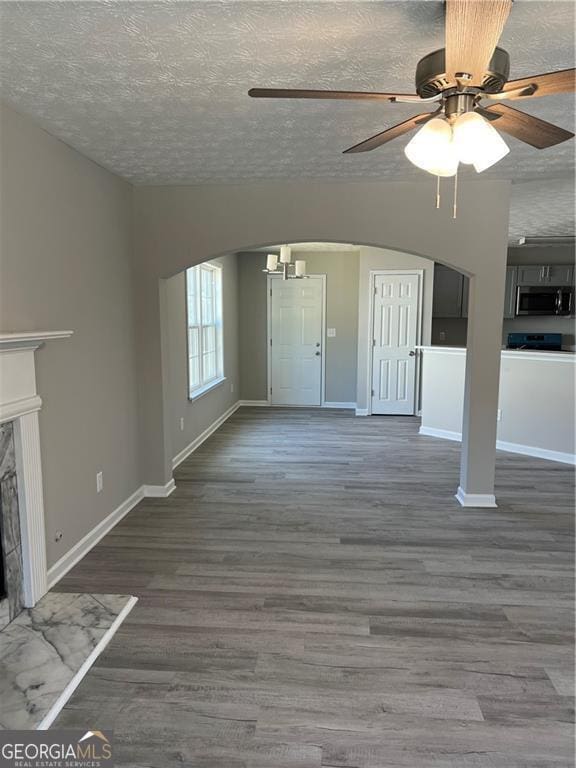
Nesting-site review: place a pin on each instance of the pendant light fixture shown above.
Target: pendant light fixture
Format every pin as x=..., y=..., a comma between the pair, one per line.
x=282, y=266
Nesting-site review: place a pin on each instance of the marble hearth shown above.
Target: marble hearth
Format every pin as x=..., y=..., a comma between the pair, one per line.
x=47, y=650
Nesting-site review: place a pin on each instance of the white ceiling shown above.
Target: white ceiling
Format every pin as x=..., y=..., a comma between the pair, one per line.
x=156, y=91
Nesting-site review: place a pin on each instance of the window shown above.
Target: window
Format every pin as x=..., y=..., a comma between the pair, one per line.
x=204, y=311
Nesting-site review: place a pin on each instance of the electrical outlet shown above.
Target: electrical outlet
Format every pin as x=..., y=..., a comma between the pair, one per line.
x=442, y=335
x=499, y=415
x=182, y=424
x=99, y=482
x=231, y=386
x=58, y=536
x=331, y=333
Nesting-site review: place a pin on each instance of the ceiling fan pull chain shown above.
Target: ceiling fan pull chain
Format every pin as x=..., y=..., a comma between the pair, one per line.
x=437, y=192
x=455, y=210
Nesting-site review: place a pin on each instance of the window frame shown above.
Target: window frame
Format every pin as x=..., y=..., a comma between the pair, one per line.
x=196, y=273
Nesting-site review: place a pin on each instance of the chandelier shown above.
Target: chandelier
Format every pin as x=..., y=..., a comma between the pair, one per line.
x=284, y=265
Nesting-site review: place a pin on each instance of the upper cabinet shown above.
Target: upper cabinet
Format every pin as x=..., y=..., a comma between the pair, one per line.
x=534, y=274
x=451, y=288
x=561, y=274
x=448, y=292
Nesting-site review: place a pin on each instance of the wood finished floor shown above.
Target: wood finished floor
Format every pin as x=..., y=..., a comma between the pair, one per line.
x=313, y=595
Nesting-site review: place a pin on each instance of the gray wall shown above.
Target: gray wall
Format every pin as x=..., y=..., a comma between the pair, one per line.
x=341, y=270
x=532, y=254
x=252, y=325
x=65, y=252
x=199, y=414
x=454, y=329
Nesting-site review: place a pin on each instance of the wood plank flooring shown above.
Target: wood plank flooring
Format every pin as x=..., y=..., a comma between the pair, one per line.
x=312, y=596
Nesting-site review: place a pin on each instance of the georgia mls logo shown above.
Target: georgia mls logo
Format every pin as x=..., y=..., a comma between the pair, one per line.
x=56, y=749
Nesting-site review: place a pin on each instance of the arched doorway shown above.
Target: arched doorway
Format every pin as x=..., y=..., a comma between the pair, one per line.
x=180, y=226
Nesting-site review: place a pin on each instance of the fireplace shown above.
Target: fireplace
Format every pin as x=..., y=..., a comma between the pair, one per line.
x=23, y=572
x=11, y=594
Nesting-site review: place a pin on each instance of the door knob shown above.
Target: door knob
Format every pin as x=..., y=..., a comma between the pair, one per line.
x=317, y=354
x=317, y=343
x=412, y=353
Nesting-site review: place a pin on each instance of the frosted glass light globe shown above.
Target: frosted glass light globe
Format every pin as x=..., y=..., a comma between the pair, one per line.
x=476, y=142
x=432, y=149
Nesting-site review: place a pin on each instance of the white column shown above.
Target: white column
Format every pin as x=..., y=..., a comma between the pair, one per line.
x=484, y=344
x=31, y=507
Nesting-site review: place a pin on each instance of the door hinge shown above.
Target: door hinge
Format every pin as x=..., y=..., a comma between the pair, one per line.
x=373, y=342
x=375, y=290
x=270, y=390
x=270, y=342
x=373, y=393
x=270, y=292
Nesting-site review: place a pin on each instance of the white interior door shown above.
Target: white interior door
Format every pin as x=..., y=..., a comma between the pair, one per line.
x=296, y=341
x=395, y=335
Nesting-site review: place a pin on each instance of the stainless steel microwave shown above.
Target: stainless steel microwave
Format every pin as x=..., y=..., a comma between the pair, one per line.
x=544, y=300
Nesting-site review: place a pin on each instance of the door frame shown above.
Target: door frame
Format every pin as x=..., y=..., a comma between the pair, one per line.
x=269, y=342
x=372, y=288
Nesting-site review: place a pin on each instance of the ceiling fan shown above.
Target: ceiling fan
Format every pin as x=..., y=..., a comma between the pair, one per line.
x=458, y=78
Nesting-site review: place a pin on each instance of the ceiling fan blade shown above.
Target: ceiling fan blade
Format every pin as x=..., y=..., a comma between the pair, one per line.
x=391, y=133
x=295, y=93
x=538, y=133
x=563, y=81
x=473, y=29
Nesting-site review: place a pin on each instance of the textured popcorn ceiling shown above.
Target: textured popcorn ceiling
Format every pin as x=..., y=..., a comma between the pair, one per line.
x=156, y=91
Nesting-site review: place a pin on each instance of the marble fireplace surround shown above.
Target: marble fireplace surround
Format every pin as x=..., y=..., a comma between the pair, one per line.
x=20, y=404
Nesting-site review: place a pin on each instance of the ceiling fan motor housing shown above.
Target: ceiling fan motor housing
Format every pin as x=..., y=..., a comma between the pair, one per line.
x=431, y=73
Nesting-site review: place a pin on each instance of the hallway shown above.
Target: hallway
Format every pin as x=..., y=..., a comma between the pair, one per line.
x=312, y=595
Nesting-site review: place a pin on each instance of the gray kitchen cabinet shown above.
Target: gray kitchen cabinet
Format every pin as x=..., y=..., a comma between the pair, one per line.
x=450, y=298
x=560, y=274
x=465, y=288
x=545, y=274
x=447, y=294
x=533, y=274
x=510, y=293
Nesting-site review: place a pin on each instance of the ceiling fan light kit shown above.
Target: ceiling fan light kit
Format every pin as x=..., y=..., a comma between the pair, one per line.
x=458, y=77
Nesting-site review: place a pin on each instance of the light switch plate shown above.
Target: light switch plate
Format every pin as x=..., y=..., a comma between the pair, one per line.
x=331, y=332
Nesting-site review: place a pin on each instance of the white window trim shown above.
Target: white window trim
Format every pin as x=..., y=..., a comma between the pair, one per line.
x=203, y=388
x=192, y=396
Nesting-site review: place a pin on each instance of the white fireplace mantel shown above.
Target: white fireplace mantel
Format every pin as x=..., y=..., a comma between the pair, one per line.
x=20, y=403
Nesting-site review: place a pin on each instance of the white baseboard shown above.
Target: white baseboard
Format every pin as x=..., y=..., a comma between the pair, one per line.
x=475, y=499
x=159, y=491
x=445, y=434
x=502, y=445
x=81, y=548
x=348, y=406
x=197, y=442
x=362, y=412
x=254, y=403
x=59, y=704
x=539, y=453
